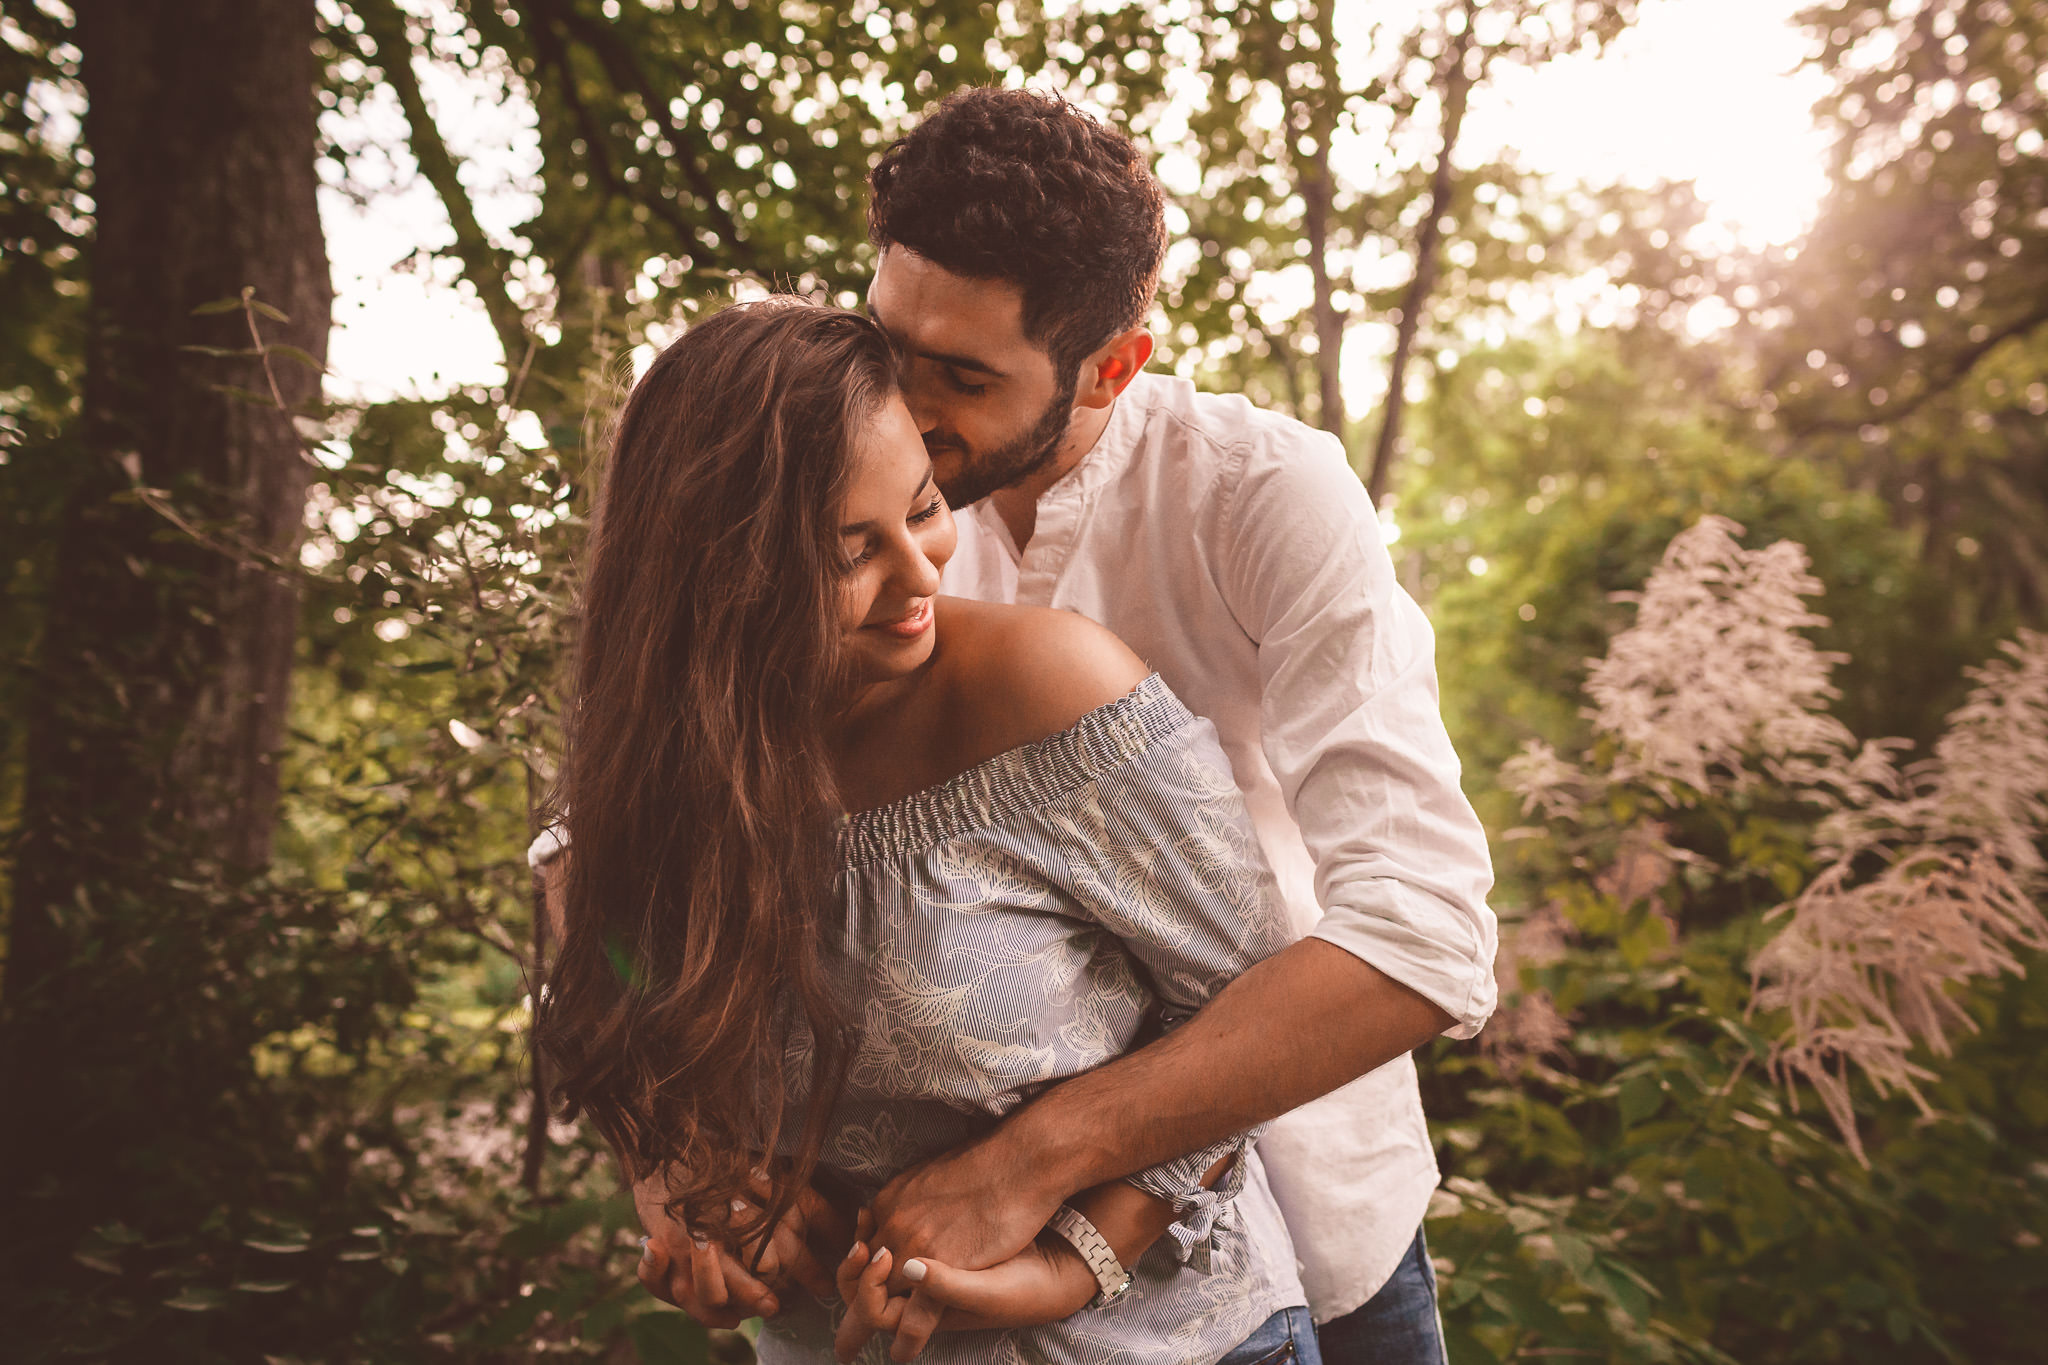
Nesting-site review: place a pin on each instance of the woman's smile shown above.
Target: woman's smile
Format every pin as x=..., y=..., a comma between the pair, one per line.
x=910, y=625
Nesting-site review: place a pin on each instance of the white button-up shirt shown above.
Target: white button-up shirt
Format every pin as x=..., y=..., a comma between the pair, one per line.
x=1236, y=552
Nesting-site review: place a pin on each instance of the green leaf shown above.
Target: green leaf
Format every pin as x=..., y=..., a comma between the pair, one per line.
x=278, y=1246
x=264, y=1286
x=550, y=1228
x=669, y=1339
x=196, y=1299
x=1621, y=1288
x=1642, y=1095
x=1574, y=1251
x=217, y=306
x=296, y=356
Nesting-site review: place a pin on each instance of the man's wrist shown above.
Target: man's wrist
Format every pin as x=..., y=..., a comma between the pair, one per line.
x=1043, y=1155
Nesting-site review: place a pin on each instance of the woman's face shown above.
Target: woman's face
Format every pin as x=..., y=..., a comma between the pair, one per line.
x=897, y=533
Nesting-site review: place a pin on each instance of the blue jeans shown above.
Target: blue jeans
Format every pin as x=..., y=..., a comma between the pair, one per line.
x=1397, y=1326
x=1286, y=1338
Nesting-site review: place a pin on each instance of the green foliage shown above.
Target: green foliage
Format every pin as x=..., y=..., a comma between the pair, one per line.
x=1633, y=1182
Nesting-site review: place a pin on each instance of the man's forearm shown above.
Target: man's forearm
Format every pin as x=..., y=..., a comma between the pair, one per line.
x=1293, y=1028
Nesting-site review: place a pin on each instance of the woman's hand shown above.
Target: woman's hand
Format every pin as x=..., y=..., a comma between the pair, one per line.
x=713, y=1276
x=1043, y=1283
x=864, y=1288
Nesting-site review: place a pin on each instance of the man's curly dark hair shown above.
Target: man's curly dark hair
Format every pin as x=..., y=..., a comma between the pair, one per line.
x=1023, y=187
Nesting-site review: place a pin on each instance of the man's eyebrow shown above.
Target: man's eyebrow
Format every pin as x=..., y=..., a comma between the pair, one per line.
x=859, y=526
x=957, y=361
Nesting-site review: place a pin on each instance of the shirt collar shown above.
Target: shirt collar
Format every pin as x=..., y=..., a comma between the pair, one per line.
x=1112, y=449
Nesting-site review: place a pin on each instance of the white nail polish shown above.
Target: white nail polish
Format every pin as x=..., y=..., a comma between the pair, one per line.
x=914, y=1271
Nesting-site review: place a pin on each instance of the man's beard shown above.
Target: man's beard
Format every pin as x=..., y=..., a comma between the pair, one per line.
x=1013, y=461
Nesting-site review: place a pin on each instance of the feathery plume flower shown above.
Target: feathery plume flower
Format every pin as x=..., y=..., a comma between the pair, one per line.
x=1714, y=672
x=1931, y=876
x=1528, y=1023
x=1866, y=966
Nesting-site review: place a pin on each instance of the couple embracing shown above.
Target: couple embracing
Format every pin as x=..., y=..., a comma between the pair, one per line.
x=1016, y=847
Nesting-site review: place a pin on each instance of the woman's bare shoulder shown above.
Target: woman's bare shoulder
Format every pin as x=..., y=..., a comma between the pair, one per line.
x=1018, y=674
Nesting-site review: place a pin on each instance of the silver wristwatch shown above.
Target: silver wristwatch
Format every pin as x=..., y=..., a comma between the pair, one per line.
x=1101, y=1260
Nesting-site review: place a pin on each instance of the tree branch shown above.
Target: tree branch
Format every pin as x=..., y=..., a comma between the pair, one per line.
x=1953, y=373
x=627, y=75
x=1457, y=86
x=485, y=266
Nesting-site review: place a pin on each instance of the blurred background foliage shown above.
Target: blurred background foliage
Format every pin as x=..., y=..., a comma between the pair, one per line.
x=293, y=1110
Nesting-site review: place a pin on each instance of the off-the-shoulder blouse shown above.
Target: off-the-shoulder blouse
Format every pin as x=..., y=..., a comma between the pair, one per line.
x=1021, y=923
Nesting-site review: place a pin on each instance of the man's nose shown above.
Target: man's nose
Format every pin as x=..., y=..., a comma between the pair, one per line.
x=917, y=397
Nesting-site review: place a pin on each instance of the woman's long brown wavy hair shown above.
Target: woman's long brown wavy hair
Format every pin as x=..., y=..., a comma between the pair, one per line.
x=701, y=921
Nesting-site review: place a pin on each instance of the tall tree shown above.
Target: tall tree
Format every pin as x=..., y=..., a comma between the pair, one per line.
x=1310, y=146
x=1909, y=336
x=159, y=693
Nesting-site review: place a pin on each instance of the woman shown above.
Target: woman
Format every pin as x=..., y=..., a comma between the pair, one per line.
x=1044, y=848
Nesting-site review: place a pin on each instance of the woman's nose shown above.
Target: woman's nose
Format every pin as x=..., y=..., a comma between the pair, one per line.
x=916, y=575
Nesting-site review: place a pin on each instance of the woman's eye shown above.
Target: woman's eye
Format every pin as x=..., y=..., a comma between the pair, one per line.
x=928, y=513
x=855, y=561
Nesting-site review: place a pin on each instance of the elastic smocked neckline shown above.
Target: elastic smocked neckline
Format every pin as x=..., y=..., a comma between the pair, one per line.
x=1017, y=780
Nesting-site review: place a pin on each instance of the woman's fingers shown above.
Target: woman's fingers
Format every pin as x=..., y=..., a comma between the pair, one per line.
x=984, y=1293
x=673, y=1280
x=746, y=1295
x=864, y=1285
x=847, y=1277
x=707, y=1275
x=653, y=1270
x=792, y=1255
x=786, y=1251
x=914, y=1327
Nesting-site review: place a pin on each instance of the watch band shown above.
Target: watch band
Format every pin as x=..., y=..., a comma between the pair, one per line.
x=1071, y=1224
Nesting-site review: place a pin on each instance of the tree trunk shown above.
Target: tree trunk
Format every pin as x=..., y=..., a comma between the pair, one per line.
x=1315, y=195
x=1318, y=192
x=163, y=674
x=1457, y=87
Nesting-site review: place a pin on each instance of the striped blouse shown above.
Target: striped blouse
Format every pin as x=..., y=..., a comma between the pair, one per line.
x=1024, y=922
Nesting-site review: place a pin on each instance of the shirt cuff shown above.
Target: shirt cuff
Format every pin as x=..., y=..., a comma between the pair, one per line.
x=547, y=846
x=1446, y=959
x=1196, y=1210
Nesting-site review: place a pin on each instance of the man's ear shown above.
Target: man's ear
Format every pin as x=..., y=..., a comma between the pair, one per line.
x=1114, y=365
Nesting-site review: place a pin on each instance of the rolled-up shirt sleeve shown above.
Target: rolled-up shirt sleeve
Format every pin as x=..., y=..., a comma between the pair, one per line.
x=1351, y=726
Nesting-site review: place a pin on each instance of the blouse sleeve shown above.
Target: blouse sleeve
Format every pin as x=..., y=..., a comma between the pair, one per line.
x=1161, y=852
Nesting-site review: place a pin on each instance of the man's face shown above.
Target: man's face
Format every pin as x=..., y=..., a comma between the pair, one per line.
x=991, y=406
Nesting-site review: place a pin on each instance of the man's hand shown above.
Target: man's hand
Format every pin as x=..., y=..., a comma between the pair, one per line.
x=715, y=1279
x=972, y=1208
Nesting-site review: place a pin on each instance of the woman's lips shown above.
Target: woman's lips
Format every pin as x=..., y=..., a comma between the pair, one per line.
x=908, y=627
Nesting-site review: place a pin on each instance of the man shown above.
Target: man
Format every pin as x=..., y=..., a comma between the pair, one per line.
x=1236, y=552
